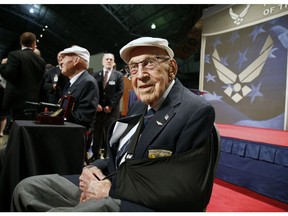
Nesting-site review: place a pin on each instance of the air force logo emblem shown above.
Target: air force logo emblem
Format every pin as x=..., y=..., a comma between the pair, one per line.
x=236, y=84
x=238, y=18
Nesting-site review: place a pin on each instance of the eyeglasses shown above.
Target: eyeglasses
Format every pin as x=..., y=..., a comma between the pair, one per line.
x=147, y=64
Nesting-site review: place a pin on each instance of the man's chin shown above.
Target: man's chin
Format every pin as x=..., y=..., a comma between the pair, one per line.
x=147, y=99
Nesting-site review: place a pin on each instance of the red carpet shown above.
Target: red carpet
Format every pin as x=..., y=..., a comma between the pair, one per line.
x=276, y=137
x=227, y=197
x=231, y=198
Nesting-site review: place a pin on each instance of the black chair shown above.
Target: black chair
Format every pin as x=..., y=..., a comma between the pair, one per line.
x=217, y=146
x=215, y=141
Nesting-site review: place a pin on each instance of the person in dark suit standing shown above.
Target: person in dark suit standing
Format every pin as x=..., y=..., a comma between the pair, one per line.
x=53, y=83
x=157, y=165
x=23, y=71
x=111, y=86
x=82, y=86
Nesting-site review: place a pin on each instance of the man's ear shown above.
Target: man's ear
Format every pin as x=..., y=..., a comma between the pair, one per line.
x=76, y=60
x=34, y=45
x=173, y=68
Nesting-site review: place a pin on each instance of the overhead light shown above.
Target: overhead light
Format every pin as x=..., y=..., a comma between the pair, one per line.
x=37, y=6
x=41, y=35
x=34, y=8
x=153, y=26
x=46, y=26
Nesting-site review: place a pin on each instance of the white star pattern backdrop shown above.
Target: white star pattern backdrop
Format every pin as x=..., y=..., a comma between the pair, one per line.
x=244, y=70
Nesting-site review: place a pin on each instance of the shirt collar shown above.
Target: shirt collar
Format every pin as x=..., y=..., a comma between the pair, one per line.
x=73, y=79
x=160, y=101
x=109, y=71
x=26, y=48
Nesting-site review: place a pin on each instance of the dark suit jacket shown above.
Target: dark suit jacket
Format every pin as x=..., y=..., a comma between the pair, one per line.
x=48, y=94
x=183, y=122
x=111, y=95
x=23, y=73
x=86, y=93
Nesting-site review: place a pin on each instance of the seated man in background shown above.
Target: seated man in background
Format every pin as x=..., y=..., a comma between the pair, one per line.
x=157, y=162
x=82, y=86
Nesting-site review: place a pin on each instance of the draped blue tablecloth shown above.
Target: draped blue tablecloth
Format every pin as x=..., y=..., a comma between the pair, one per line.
x=257, y=166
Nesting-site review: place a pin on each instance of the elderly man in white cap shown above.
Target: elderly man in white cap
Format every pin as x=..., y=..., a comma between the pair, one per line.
x=159, y=156
x=82, y=85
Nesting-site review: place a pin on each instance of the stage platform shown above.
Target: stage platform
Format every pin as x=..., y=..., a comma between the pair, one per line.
x=256, y=159
x=275, y=137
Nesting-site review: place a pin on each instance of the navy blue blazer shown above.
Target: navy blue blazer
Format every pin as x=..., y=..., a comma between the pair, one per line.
x=183, y=122
x=23, y=74
x=86, y=93
x=113, y=91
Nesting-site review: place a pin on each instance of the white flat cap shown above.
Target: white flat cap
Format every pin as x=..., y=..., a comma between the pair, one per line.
x=145, y=41
x=80, y=51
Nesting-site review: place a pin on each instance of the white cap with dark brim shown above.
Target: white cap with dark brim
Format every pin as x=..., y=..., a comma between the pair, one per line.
x=145, y=41
x=80, y=51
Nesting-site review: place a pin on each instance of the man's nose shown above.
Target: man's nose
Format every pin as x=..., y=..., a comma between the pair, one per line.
x=140, y=73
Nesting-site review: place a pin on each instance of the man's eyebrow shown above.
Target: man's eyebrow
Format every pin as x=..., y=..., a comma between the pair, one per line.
x=136, y=62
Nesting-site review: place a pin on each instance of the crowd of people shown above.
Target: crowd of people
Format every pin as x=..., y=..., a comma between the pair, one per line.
x=144, y=154
x=29, y=80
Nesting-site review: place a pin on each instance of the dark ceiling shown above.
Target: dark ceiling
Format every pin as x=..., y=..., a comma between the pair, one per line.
x=100, y=28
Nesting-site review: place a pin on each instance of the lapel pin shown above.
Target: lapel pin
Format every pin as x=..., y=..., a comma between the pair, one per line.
x=166, y=117
x=159, y=123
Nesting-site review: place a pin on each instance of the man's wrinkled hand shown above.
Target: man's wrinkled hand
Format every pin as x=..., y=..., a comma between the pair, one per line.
x=99, y=108
x=107, y=109
x=4, y=61
x=90, y=174
x=96, y=190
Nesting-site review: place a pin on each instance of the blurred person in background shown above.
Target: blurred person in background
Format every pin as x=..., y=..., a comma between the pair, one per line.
x=111, y=86
x=53, y=83
x=23, y=71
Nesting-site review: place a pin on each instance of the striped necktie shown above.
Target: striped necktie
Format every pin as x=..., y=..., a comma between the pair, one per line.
x=105, y=79
x=148, y=116
x=121, y=152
